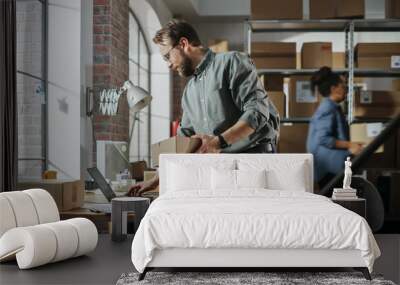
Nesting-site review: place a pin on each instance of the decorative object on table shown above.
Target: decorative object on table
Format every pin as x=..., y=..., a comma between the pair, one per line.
x=121, y=206
x=249, y=278
x=347, y=174
x=31, y=230
x=345, y=193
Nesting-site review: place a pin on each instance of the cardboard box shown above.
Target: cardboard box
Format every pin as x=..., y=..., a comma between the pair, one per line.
x=376, y=104
x=316, y=54
x=278, y=99
x=176, y=144
x=322, y=9
x=381, y=159
x=338, y=60
x=376, y=55
x=392, y=9
x=276, y=10
x=336, y=9
x=350, y=9
x=67, y=194
x=272, y=82
x=365, y=133
x=396, y=85
x=137, y=169
x=218, y=45
x=302, y=101
x=274, y=55
x=293, y=138
x=149, y=174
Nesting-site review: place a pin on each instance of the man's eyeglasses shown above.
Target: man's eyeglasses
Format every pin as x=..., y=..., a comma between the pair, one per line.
x=166, y=56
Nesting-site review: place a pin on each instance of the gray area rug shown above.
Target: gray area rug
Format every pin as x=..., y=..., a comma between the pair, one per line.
x=233, y=278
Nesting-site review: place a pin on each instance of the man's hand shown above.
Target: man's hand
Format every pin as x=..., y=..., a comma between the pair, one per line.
x=139, y=188
x=356, y=147
x=209, y=144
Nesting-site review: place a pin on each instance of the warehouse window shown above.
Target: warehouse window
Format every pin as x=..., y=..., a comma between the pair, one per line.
x=31, y=87
x=139, y=74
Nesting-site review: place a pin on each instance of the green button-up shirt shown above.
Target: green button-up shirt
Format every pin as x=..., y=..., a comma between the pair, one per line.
x=225, y=88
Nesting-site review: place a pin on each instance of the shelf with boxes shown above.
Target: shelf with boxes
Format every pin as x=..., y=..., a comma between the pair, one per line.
x=364, y=60
x=284, y=70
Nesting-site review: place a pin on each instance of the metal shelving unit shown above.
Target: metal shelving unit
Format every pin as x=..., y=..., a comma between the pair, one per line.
x=349, y=27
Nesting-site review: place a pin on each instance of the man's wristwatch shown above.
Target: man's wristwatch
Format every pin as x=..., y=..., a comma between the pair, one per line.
x=222, y=142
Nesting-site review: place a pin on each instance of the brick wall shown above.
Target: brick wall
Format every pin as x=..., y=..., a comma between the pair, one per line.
x=110, y=65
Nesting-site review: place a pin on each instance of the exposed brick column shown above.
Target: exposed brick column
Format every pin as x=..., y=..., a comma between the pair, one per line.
x=111, y=66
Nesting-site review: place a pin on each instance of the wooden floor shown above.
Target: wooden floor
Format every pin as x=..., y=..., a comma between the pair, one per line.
x=102, y=266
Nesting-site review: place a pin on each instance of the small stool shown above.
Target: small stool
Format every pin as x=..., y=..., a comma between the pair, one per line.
x=119, y=214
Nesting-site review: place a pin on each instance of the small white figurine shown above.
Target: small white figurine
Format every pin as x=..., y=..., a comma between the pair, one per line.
x=347, y=174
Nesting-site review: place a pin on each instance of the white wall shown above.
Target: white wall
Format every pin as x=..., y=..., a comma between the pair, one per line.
x=86, y=132
x=64, y=67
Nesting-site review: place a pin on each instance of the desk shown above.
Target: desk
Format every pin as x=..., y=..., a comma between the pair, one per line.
x=101, y=220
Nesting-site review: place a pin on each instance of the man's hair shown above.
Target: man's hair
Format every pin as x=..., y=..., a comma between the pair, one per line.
x=174, y=31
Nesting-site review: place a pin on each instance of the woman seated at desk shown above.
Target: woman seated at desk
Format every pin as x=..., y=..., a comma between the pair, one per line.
x=328, y=135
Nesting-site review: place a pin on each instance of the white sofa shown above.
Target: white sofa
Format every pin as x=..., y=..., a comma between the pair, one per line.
x=31, y=230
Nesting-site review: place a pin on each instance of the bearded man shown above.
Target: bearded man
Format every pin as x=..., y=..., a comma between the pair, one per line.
x=224, y=103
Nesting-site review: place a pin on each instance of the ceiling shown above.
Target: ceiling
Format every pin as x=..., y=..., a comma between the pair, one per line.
x=209, y=10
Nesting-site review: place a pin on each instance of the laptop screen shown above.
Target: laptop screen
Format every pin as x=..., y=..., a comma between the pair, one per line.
x=102, y=183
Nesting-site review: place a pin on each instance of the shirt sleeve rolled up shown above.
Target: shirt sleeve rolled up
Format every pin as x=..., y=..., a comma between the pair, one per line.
x=247, y=92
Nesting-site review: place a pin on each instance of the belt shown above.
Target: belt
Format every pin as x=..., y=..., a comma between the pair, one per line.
x=264, y=147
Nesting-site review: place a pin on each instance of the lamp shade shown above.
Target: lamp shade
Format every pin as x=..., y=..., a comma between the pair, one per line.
x=138, y=98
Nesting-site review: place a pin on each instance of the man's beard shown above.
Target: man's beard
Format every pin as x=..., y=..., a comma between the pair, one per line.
x=186, y=68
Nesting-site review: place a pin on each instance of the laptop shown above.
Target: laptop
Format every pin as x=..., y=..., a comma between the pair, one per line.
x=104, y=187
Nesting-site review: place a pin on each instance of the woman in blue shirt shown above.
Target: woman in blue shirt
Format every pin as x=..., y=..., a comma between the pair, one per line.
x=328, y=135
